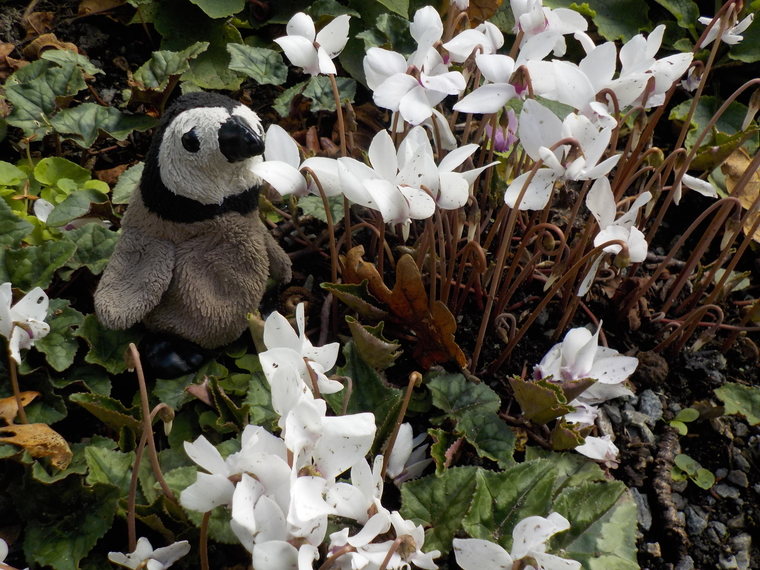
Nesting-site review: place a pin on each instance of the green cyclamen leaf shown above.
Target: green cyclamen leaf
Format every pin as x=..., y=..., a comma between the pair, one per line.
x=60, y=345
x=33, y=90
x=84, y=123
x=14, y=228
x=740, y=399
x=64, y=56
x=264, y=65
x=164, y=64
x=109, y=467
x=95, y=244
x=128, y=181
x=51, y=170
x=74, y=206
x=503, y=499
x=440, y=503
x=107, y=347
x=375, y=350
x=108, y=410
x=220, y=8
x=11, y=175
x=34, y=266
x=475, y=407
x=319, y=90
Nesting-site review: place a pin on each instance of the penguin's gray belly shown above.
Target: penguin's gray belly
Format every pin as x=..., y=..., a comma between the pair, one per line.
x=219, y=277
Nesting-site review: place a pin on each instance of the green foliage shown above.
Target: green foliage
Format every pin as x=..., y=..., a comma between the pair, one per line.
x=683, y=417
x=165, y=64
x=688, y=468
x=742, y=400
x=615, y=19
x=474, y=408
x=263, y=65
x=220, y=8
x=84, y=122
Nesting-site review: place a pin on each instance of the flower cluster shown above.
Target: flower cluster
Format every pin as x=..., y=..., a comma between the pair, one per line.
x=282, y=489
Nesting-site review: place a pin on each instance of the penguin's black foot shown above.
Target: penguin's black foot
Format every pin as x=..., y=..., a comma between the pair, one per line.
x=168, y=356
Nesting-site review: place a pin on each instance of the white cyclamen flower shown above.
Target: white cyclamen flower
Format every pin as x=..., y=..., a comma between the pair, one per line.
x=42, y=209
x=580, y=356
x=313, y=51
x=490, y=97
x=144, y=556
x=407, y=458
x=731, y=35
x=601, y=202
x=528, y=542
x=23, y=323
x=296, y=350
x=486, y=38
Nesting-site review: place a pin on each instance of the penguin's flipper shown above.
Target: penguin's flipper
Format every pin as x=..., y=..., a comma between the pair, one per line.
x=135, y=279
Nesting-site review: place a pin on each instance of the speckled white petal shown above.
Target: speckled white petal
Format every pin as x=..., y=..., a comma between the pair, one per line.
x=275, y=555
x=333, y=36
x=302, y=25
x=282, y=176
x=531, y=533
x=477, y=554
x=206, y=455
x=454, y=191
x=345, y=440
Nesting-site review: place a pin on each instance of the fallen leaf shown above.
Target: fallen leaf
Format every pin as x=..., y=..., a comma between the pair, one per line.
x=87, y=7
x=111, y=175
x=733, y=169
x=46, y=42
x=38, y=23
x=40, y=440
x=9, y=407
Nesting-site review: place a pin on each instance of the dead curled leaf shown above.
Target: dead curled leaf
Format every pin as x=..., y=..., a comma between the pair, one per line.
x=46, y=42
x=432, y=322
x=733, y=169
x=40, y=440
x=9, y=407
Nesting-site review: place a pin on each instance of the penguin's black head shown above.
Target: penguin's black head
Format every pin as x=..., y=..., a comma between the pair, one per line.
x=203, y=151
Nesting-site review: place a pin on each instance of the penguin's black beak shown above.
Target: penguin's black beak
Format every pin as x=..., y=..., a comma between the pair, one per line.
x=238, y=141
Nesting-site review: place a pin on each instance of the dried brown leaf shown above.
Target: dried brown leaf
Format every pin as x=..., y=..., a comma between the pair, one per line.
x=733, y=169
x=46, y=42
x=38, y=23
x=356, y=270
x=9, y=407
x=481, y=10
x=40, y=440
x=87, y=7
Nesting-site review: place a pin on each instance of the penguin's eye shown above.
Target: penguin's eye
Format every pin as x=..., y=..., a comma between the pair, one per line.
x=190, y=141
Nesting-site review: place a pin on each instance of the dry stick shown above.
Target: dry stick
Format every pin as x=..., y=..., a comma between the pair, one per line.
x=13, y=373
x=548, y=297
x=147, y=425
x=686, y=328
x=203, y=541
x=414, y=379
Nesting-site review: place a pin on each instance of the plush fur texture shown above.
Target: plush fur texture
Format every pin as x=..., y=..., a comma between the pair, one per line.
x=193, y=268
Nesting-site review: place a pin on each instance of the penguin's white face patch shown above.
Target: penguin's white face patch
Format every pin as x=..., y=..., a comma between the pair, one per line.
x=192, y=163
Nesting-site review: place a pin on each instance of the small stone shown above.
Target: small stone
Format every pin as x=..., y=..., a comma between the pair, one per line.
x=738, y=522
x=725, y=491
x=721, y=473
x=719, y=528
x=643, y=512
x=696, y=520
x=741, y=429
x=651, y=406
x=613, y=413
x=653, y=549
x=728, y=562
x=740, y=462
x=738, y=478
x=679, y=486
x=742, y=544
x=686, y=563
x=639, y=421
x=678, y=501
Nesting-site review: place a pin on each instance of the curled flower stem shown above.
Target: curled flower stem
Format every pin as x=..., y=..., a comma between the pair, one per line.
x=147, y=424
x=391, y=551
x=414, y=379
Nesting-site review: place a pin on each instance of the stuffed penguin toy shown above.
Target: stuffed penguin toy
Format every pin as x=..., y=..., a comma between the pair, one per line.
x=193, y=257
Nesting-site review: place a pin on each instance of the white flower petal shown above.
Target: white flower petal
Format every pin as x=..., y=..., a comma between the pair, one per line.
x=345, y=440
x=451, y=82
x=300, y=51
x=302, y=25
x=538, y=127
x=599, y=448
x=275, y=555
x=537, y=193
x=702, y=186
x=325, y=62
x=379, y=64
x=281, y=146
x=613, y=369
x=531, y=533
x=206, y=455
x=415, y=105
x=282, y=176
x=326, y=171
x=42, y=209
x=207, y=493
x=454, y=191
x=601, y=202
x=389, y=93
x=496, y=68
x=486, y=99
x=477, y=554
x=421, y=205
x=382, y=155
x=333, y=36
